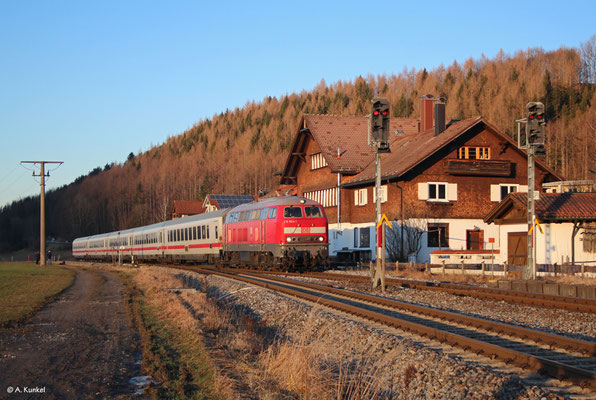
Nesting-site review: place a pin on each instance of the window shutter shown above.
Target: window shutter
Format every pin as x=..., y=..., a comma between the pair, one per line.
x=452, y=191
x=495, y=193
x=364, y=199
x=423, y=191
x=356, y=202
x=522, y=188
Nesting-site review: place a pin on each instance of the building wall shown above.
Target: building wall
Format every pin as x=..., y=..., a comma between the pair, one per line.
x=552, y=246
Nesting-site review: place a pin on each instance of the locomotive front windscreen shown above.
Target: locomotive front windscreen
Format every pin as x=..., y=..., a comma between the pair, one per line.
x=313, y=212
x=293, y=212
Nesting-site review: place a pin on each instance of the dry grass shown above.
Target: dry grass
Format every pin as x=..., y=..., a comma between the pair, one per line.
x=174, y=353
x=249, y=361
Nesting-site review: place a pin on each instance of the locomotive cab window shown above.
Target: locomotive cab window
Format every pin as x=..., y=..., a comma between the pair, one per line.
x=292, y=212
x=312, y=212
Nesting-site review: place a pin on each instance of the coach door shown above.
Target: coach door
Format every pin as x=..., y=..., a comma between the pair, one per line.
x=517, y=248
x=262, y=231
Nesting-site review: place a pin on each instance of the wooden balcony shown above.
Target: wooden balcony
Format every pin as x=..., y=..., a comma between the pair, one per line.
x=479, y=167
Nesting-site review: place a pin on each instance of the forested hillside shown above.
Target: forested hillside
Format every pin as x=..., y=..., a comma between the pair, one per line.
x=238, y=151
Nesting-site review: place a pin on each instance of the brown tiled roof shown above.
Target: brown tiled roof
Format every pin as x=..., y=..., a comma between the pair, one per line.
x=411, y=148
x=561, y=206
x=350, y=135
x=185, y=207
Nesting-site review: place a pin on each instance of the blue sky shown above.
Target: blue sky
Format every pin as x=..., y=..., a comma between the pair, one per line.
x=89, y=82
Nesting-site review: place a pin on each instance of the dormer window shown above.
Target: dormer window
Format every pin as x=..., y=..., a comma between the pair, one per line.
x=473, y=153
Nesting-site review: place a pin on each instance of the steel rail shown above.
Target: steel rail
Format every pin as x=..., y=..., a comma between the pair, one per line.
x=509, y=296
x=553, y=340
x=539, y=364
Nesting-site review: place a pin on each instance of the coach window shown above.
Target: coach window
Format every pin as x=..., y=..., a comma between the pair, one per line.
x=204, y=234
x=207, y=231
x=272, y=213
x=264, y=212
x=255, y=215
x=216, y=236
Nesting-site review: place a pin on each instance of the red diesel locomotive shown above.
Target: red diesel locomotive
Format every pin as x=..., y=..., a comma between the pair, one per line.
x=289, y=233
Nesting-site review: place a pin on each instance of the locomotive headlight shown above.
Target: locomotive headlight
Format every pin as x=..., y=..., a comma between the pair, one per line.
x=288, y=239
x=321, y=238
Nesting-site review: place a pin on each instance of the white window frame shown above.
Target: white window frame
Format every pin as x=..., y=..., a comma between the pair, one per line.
x=450, y=192
x=383, y=190
x=361, y=197
x=495, y=190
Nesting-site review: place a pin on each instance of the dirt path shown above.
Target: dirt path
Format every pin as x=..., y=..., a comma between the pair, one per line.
x=80, y=346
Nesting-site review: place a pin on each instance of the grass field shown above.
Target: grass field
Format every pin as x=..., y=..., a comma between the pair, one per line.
x=25, y=287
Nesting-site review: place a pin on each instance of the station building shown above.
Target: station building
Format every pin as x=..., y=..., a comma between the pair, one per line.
x=438, y=183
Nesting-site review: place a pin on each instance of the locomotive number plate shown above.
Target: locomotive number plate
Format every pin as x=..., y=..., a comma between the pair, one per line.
x=305, y=229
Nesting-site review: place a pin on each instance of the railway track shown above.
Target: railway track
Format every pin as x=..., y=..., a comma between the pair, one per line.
x=556, y=356
x=509, y=296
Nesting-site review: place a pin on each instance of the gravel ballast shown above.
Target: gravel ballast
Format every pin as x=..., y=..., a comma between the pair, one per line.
x=408, y=367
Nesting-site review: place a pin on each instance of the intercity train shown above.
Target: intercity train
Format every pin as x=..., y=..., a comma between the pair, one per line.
x=283, y=233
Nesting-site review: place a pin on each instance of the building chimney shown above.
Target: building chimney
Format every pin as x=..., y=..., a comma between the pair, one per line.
x=426, y=112
x=439, y=115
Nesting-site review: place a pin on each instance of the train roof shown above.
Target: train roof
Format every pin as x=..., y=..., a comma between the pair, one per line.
x=275, y=201
x=158, y=225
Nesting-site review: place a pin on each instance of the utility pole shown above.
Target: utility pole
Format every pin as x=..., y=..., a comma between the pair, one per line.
x=531, y=212
x=42, y=205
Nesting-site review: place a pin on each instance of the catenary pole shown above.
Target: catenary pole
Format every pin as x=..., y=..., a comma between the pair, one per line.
x=42, y=206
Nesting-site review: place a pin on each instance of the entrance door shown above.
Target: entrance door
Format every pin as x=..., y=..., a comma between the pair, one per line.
x=475, y=239
x=517, y=248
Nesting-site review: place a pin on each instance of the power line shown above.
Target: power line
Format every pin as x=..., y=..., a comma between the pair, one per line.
x=10, y=173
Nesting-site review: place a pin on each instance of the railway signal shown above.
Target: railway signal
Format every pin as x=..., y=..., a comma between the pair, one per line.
x=380, y=115
x=534, y=144
x=379, y=135
x=536, y=123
